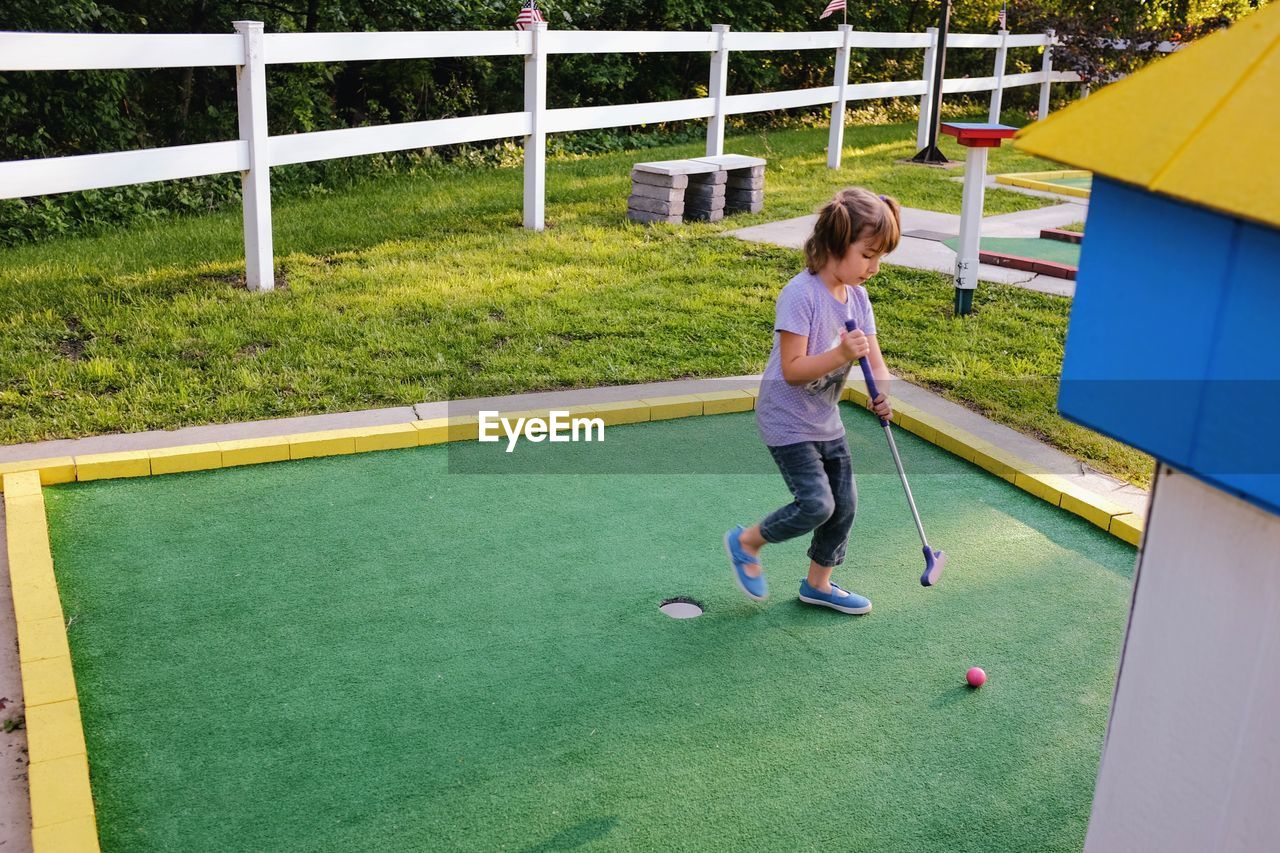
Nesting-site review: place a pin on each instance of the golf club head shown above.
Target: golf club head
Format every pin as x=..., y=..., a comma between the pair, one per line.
x=933, y=563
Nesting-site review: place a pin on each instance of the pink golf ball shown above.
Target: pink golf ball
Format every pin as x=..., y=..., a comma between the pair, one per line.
x=976, y=677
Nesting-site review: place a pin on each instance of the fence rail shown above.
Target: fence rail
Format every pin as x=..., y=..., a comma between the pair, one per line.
x=91, y=51
x=250, y=50
x=283, y=48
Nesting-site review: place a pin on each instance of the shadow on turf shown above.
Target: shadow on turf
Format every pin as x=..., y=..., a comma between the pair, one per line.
x=951, y=696
x=576, y=836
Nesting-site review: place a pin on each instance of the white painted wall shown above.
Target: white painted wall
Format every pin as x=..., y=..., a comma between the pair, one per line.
x=1192, y=755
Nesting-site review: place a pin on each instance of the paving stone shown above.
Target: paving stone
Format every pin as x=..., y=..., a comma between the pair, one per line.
x=745, y=183
x=703, y=210
x=645, y=216
x=703, y=215
x=704, y=194
x=733, y=161
x=676, y=167
x=754, y=207
x=740, y=197
x=709, y=179
x=654, y=205
x=704, y=206
x=656, y=192
x=657, y=180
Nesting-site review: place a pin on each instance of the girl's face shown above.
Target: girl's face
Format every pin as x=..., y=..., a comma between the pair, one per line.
x=858, y=264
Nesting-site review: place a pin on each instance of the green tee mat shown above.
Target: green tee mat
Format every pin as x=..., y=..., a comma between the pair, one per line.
x=381, y=652
x=1078, y=183
x=1057, y=251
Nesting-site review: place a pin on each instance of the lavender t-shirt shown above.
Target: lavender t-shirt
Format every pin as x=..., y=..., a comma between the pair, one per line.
x=788, y=414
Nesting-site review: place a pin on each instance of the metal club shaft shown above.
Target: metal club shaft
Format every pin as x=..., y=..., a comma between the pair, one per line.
x=906, y=487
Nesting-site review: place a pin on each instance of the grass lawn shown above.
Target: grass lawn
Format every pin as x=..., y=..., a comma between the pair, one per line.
x=375, y=664
x=424, y=288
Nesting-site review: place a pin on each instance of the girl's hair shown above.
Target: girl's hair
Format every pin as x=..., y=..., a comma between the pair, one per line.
x=853, y=214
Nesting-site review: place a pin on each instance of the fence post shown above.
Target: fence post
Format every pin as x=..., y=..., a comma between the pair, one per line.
x=835, y=141
x=1047, y=69
x=926, y=100
x=255, y=184
x=716, y=89
x=535, y=144
x=997, y=94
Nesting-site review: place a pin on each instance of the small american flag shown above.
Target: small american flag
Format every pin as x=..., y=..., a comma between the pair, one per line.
x=529, y=14
x=1003, y=19
x=832, y=7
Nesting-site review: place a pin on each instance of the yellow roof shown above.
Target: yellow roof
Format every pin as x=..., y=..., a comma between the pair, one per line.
x=1201, y=124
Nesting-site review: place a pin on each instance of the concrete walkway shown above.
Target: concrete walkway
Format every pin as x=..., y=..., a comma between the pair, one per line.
x=926, y=253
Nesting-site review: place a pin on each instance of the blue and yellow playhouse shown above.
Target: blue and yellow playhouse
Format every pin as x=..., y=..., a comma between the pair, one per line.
x=1174, y=347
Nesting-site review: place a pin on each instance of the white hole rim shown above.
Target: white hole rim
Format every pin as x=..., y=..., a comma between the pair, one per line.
x=681, y=608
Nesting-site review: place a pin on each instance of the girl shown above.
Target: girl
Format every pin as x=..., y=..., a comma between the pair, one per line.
x=797, y=409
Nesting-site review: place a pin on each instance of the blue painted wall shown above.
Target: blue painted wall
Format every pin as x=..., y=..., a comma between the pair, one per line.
x=1174, y=340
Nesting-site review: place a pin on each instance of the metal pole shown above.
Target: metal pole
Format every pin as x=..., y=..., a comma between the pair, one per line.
x=902, y=475
x=930, y=153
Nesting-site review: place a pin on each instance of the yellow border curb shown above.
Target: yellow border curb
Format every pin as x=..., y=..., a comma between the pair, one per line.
x=723, y=402
x=62, y=816
x=60, y=469
x=1116, y=519
x=194, y=457
x=1040, y=181
x=677, y=406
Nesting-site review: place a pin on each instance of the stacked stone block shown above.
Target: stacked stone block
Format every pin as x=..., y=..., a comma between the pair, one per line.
x=704, y=199
x=745, y=192
x=744, y=183
x=703, y=188
x=656, y=198
x=658, y=190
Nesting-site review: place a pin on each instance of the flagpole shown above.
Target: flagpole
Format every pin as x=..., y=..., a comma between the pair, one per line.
x=931, y=153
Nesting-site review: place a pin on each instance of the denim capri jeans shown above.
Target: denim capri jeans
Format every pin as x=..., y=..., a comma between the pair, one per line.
x=820, y=477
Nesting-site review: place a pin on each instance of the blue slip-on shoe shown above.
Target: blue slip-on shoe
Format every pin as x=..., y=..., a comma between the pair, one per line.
x=754, y=588
x=837, y=599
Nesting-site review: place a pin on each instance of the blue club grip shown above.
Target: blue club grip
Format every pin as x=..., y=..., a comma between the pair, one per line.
x=851, y=325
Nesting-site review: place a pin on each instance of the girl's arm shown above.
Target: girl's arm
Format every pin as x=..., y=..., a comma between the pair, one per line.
x=799, y=369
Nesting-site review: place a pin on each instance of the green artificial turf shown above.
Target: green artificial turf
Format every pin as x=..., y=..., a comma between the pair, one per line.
x=386, y=652
x=1057, y=251
x=1078, y=183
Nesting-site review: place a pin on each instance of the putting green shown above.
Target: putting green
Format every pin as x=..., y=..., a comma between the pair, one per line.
x=1079, y=183
x=383, y=651
x=1057, y=251
x=1074, y=182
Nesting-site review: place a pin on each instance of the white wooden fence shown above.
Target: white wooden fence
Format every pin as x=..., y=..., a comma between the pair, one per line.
x=250, y=50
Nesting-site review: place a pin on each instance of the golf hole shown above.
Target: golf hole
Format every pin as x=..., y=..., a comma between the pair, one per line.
x=681, y=608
